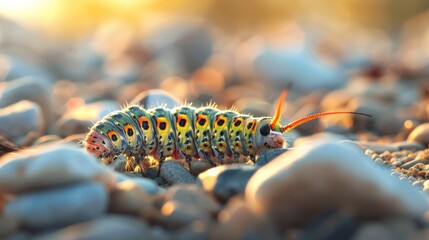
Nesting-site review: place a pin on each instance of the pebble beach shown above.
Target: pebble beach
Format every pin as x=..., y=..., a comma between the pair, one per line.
x=341, y=177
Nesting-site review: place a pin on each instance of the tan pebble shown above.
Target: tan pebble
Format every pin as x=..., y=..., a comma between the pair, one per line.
x=176, y=214
x=237, y=219
x=195, y=196
x=129, y=198
x=420, y=134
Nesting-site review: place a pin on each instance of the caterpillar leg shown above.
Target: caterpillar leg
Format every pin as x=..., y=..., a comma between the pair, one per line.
x=253, y=158
x=131, y=164
x=144, y=165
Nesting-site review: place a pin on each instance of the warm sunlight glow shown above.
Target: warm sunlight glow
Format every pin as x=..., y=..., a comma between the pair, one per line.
x=21, y=9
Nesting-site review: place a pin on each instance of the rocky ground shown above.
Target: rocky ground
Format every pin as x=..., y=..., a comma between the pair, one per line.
x=338, y=178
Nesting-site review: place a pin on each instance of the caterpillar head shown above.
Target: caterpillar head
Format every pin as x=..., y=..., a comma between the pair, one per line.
x=266, y=137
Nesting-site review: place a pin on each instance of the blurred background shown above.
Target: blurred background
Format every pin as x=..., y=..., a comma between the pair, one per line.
x=370, y=56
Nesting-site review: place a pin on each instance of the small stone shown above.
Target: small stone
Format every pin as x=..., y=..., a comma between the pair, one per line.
x=26, y=119
x=238, y=221
x=33, y=89
x=198, y=167
x=426, y=184
x=194, y=196
x=129, y=198
x=176, y=214
x=227, y=180
x=414, y=162
x=281, y=67
x=80, y=119
x=175, y=173
x=155, y=98
x=267, y=155
x=119, y=163
x=148, y=185
x=48, y=166
x=379, y=161
x=420, y=134
x=188, y=47
x=59, y=207
x=107, y=227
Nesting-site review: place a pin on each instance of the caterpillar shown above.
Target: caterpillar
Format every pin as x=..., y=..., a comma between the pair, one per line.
x=185, y=132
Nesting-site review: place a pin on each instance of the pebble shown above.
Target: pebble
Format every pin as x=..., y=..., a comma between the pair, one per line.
x=420, y=134
x=414, y=162
x=176, y=214
x=28, y=88
x=195, y=196
x=127, y=197
x=238, y=221
x=57, y=207
x=180, y=46
x=283, y=66
x=227, y=180
x=80, y=119
x=200, y=166
x=22, y=122
x=109, y=227
x=155, y=98
x=148, y=185
x=118, y=164
x=49, y=166
x=326, y=169
x=267, y=155
x=175, y=173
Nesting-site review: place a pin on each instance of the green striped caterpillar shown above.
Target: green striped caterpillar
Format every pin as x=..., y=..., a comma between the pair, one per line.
x=185, y=132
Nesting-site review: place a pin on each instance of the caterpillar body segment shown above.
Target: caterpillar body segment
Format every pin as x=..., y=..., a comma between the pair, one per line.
x=185, y=132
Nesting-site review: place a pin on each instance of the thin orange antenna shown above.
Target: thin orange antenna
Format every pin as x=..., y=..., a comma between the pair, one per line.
x=300, y=121
x=276, y=118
